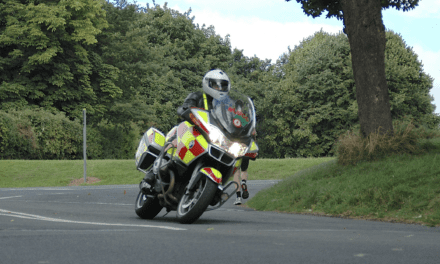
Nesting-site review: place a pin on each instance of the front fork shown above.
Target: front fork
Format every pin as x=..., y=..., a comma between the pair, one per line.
x=223, y=193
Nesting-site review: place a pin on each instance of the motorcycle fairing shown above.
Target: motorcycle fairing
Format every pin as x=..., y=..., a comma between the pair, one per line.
x=252, y=152
x=200, y=118
x=170, y=134
x=190, y=143
x=213, y=174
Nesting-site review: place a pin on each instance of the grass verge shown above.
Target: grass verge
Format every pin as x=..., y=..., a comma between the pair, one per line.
x=403, y=188
x=51, y=173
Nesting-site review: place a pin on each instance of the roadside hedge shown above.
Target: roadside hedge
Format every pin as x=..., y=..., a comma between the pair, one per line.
x=39, y=134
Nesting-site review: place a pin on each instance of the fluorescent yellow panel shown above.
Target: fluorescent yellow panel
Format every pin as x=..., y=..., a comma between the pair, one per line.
x=159, y=139
x=253, y=146
x=188, y=157
x=204, y=115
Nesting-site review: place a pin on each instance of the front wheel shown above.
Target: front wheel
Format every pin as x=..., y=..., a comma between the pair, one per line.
x=193, y=204
x=147, y=207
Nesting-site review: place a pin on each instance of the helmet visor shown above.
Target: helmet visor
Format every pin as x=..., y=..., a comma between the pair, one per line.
x=219, y=85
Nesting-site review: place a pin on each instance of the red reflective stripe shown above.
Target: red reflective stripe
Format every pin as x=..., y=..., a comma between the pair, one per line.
x=182, y=152
x=195, y=132
x=209, y=171
x=197, y=149
x=251, y=155
x=203, y=127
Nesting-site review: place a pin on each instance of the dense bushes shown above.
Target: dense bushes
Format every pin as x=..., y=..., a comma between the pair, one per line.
x=39, y=134
x=315, y=100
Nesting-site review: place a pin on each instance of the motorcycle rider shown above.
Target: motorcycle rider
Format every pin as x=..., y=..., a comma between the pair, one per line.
x=215, y=85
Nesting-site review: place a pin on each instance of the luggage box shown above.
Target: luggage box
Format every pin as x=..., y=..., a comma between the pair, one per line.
x=149, y=148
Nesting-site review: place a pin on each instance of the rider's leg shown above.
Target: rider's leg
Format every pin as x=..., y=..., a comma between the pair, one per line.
x=244, y=177
x=237, y=180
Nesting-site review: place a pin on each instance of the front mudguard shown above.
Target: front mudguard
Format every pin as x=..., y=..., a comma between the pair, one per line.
x=216, y=176
x=211, y=173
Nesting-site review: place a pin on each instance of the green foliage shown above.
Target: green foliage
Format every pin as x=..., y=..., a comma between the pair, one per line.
x=314, y=102
x=162, y=56
x=45, y=56
x=116, y=141
x=408, y=85
x=315, y=8
x=131, y=67
x=39, y=134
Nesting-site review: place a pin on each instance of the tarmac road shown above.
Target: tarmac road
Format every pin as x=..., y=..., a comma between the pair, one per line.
x=99, y=225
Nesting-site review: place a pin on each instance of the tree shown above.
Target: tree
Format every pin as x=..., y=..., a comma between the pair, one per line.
x=162, y=56
x=366, y=33
x=315, y=101
x=46, y=58
x=408, y=84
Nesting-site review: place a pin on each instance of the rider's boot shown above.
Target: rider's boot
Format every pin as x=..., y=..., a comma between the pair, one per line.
x=244, y=188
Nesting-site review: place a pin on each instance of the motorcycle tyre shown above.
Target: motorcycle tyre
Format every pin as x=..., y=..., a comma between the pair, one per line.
x=205, y=198
x=147, y=209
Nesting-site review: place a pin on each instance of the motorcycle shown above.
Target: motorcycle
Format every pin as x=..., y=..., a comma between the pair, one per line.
x=192, y=164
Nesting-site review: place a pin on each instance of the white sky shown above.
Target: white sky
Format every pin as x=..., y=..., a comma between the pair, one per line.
x=267, y=28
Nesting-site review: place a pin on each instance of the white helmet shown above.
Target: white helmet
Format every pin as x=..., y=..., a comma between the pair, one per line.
x=216, y=84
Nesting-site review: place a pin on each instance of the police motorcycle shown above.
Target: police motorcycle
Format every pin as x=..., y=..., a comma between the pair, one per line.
x=194, y=161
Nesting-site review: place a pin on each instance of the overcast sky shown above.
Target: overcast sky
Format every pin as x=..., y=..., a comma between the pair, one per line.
x=267, y=28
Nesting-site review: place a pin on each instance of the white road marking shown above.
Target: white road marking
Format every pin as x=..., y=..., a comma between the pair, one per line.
x=10, y=197
x=302, y=230
x=43, y=218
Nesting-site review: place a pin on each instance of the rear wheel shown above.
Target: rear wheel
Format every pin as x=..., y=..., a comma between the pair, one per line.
x=147, y=207
x=193, y=204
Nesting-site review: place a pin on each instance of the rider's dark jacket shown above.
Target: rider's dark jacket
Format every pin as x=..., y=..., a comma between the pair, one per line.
x=194, y=100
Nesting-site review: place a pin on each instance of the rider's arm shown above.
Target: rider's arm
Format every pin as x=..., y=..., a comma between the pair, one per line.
x=190, y=101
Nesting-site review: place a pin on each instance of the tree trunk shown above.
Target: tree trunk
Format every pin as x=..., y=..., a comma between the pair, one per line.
x=366, y=35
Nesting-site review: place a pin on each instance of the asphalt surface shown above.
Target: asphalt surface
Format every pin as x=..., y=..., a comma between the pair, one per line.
x=99, y=225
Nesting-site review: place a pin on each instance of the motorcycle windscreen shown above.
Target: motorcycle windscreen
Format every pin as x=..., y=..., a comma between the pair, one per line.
x=236, y=113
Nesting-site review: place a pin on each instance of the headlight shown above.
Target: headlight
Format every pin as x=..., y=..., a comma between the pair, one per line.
x=220, y=140
x=237, y=149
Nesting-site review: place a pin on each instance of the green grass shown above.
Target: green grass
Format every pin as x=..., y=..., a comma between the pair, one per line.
x=403, y=188
x=50, y=173
x=280, y=169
